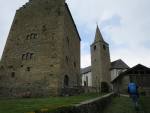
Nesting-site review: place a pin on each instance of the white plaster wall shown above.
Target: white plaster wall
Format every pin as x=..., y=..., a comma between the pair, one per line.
x=89, y=75
x=115, y=73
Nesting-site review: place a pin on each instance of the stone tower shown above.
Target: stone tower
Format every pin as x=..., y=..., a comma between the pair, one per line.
x=42, y=53
x=100, y=60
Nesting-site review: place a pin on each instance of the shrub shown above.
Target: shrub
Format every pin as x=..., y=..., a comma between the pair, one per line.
x=104, y=87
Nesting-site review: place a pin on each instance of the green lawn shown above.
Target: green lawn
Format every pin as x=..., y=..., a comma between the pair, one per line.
x=120, y=105
x=145, y=103
x=28, y=105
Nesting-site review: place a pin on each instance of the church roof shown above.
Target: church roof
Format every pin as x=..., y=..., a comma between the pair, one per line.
x=98, y=35
x=86, y=70
x=119, y=64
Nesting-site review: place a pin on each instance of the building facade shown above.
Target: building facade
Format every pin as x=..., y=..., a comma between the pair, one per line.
x=42, y=53
x=117, y=67
x=86, y=76
x=139, y=74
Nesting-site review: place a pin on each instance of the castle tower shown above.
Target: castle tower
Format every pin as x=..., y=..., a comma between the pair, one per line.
x=42, y=53
x=100, y=60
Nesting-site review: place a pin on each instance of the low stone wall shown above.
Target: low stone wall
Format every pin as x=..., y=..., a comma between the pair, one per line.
x=72, y=91
x=96, y=105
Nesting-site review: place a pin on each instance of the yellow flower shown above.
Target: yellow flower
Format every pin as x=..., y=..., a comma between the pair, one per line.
x=30, y=112
x=44, y=110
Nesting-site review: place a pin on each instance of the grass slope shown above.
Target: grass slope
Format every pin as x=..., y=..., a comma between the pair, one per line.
x=28, y=105
x=120, y=105
x=145, y=103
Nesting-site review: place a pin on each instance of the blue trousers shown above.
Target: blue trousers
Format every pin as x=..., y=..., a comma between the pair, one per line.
x=135, y=100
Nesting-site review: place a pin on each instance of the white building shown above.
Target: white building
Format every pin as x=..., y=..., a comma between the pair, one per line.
x=86, y=76
x=117, y=67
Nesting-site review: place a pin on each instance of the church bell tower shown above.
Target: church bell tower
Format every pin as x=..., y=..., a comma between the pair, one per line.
x=100, y=60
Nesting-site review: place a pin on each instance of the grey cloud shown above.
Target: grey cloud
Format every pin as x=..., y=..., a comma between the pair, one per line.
x=134, y=25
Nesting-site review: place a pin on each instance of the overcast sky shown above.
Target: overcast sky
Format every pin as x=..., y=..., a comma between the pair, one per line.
x=125, y=25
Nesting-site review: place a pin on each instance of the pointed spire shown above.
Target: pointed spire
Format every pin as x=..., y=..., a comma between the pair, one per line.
x=98, y=35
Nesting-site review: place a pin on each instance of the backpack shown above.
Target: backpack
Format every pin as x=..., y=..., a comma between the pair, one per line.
x=132, y=87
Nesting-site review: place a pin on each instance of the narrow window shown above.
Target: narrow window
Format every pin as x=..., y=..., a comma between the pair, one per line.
x=67, y=59
x=74, y=64
x=87, y=80
x=27, y=56
x=27, y=37
x=31, y=55
x=59, y=12
x=94, y=48
x=13, y=74
x=28, y=69
x=23, y=56
x=44, y=28
x=104, y=47
x=66, y=81
x=68, y=40
x=32, y=36
x=85, y=83
x=35, y=36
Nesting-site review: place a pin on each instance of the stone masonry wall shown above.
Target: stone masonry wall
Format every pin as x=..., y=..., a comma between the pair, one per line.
x=34, y=60
x=92, y=106
x=100, y=60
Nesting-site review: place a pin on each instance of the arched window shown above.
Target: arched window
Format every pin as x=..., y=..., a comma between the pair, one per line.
x=27, y=56
x=74, y=64
x=85, y=83
x=87, y=80
x=23, y=56
x=13, y=74
x=66, y=81
x=44, y=28
x=27, y=37
x=28, y=68
x=104, y=47
x=31, y=36
x=94, y=47
x=67, y=40
x=31, y=55
x=67, y=59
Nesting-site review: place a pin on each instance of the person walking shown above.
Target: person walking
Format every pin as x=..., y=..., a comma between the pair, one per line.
x=134, y=94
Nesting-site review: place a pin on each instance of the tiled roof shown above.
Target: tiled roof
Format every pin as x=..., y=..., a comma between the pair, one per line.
x=119, y=64
x=86, y=70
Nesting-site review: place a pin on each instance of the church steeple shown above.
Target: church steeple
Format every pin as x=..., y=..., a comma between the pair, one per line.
x=100, y=60
x=98, y=35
